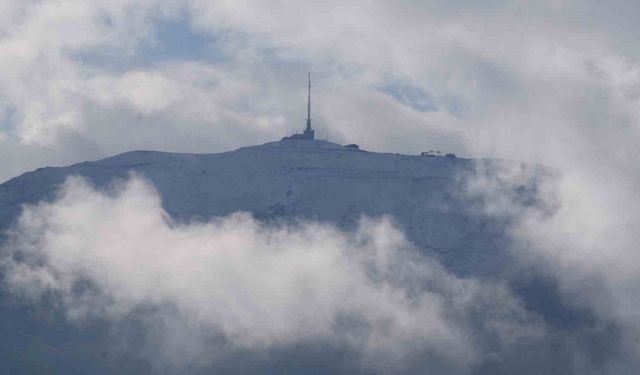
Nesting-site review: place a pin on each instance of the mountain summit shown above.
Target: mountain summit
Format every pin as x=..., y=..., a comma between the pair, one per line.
x=283, y=182
x=297, y=179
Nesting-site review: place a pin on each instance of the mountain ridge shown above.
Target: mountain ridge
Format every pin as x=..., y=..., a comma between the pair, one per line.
x=290, y=182
x=293, y=179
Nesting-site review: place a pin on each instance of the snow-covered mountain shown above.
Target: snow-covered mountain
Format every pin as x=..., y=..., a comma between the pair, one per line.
x=278, y=181
x=299, y=179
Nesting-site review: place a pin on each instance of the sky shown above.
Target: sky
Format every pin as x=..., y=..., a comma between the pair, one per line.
x=491, y=78
x=549, y=82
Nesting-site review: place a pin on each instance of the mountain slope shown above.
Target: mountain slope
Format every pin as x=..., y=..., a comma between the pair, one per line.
x=277, y=182
x=288, y=180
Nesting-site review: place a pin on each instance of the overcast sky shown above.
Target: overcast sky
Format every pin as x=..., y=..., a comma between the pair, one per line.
x=552, y=82
x=83, y=80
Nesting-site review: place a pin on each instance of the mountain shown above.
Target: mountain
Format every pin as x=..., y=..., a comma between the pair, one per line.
x=301, y=179
x=280, y=181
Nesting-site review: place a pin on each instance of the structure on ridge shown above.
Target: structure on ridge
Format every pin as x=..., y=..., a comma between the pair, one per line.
x=308, y=134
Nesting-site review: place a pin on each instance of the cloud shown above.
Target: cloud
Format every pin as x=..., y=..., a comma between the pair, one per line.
x=577, y=232
x=548, y=82
x=111, y=255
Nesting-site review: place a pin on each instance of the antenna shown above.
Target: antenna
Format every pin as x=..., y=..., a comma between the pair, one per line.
x=309, y=105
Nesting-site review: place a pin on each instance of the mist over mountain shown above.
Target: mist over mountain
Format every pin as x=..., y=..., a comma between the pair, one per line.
x=153, y=262
x=300, y=180
x=303, y=256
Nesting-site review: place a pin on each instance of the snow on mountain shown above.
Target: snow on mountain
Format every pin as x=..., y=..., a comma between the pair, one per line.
x=282, y=181
x=287, y=180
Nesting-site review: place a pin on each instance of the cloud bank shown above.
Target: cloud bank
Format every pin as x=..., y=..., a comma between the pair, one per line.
x=248, y=286
x=578, y=234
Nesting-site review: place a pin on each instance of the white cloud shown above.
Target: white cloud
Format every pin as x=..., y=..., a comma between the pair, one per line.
x=41, y=77
x=579, y=229
x=551, y=82
x=107, y=255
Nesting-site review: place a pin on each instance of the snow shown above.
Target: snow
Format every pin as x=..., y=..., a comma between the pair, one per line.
x=300, y=179
x=278, y=181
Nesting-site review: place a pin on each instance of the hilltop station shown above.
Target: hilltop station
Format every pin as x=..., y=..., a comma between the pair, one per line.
x=308, y=134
